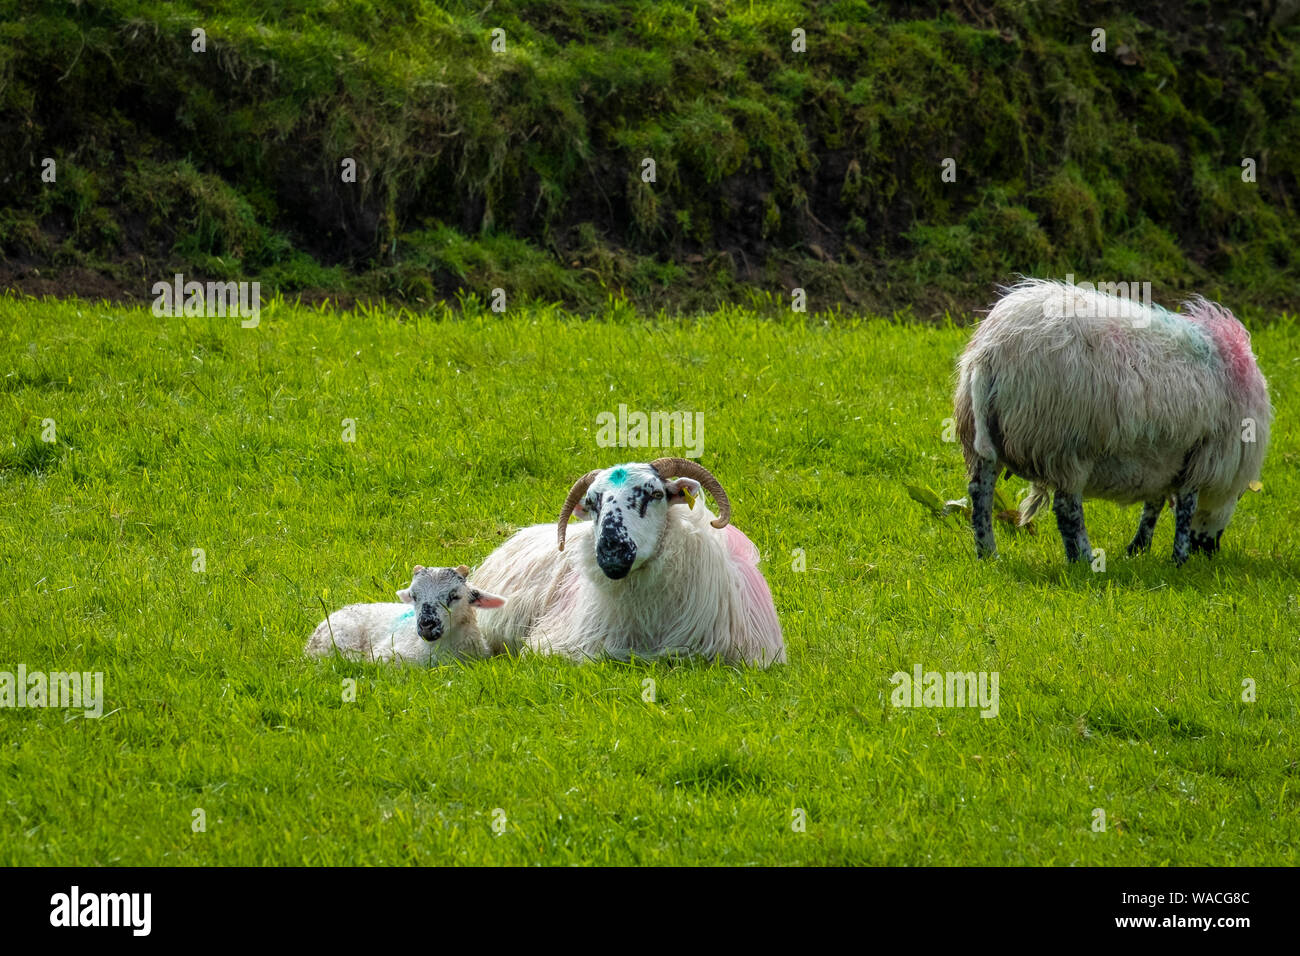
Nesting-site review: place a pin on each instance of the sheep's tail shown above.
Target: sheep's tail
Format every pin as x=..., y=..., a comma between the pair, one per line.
x=1030, y=504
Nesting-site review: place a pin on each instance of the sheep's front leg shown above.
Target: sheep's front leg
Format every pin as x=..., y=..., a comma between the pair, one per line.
x=1141, y=542
x=1069, y=520
x=981, y=508
x=1184, y=508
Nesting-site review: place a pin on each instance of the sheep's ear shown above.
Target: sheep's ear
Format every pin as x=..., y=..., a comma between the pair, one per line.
x=404, y=596
x=417, y=569
x=463, y=571
x=483, y=599
x=682, y=491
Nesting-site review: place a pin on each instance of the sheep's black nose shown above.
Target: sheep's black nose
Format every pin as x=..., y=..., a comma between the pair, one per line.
x=429, y=627
x=615, y=551
x=615, y=558
x=614, y=571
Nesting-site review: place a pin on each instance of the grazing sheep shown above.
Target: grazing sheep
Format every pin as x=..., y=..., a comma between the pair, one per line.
x=653, y=574
x=1090, y=395
x=436, y=622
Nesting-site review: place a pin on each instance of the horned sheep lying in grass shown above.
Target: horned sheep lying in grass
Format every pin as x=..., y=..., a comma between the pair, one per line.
x=1089, y=395
x=435, y=622
x=652, y=574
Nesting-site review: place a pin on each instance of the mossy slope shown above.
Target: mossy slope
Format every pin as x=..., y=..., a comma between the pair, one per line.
x=522, y=169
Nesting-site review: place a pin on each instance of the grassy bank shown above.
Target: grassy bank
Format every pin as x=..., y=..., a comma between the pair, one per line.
x=522, y=167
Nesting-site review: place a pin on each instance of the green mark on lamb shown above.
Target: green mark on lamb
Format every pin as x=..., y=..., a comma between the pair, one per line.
x=618, y=476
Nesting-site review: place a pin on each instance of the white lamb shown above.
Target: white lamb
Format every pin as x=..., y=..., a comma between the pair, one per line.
x=653, y=574
x=435, y=623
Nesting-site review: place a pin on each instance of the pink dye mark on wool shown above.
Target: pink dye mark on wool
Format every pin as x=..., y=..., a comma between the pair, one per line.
x=740, y=548
x=755, y=595
x=1120, y=341
x=1233, y=343
x=564, y=599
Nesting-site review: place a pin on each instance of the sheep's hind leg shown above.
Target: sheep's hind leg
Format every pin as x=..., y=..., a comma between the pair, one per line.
x=1069, y=520
x=1184, y=508
x=981, y=507
x=1141, y=542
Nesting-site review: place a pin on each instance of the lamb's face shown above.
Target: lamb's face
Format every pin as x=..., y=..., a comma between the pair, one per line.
x=629, y=506
x=444, y=600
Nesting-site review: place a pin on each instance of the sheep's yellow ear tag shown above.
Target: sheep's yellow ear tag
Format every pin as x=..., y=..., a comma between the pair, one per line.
x=1256, y=486
x=690, y=498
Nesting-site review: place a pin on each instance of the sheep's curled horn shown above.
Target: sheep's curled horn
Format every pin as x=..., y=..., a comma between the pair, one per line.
x=685, y=468
x=575, y=495
x=666, y=468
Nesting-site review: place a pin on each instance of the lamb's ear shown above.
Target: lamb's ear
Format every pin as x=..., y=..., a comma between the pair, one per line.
x=484, y=599
x=682, y=491
x=463, y=571
x=404, y=596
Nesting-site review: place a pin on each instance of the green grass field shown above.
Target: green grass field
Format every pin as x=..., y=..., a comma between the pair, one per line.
x=1120, y=690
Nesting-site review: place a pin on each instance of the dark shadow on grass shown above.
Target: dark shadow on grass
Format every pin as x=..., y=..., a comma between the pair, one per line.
x=1143, y=724
x=1152, y=571
x=671, y=664
x=33, y=456
x=718, y=773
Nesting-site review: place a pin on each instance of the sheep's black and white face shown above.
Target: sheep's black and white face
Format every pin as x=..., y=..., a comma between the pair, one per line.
x=629, y=506
x=443, y=599
x=1208, y=526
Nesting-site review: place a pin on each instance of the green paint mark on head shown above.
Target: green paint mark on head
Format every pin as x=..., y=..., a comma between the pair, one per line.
x=618, y=476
